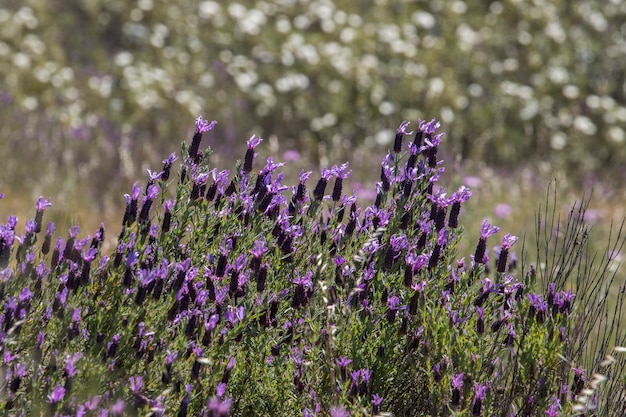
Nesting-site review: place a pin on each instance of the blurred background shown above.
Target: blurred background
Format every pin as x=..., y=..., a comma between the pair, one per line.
x=94, y=92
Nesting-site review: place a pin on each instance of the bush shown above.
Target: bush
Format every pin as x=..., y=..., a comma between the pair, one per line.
x=234, y=294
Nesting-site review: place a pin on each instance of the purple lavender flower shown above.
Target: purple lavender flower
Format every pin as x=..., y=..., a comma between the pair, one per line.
x=202, y=126
x=457, y=385
x=259, y=248
x=18, y=374
x=252, y=143
x=300, y=193
x=510, y=336
x=320, y=187
x=341, y=173
x=486, y=231
x=58, y=392
x=304, y=287
x=153, y=176
x=458, y=197
x=135, y=383
x=507, y=242
x=144, y=218
x=579, y=381
x=339, y=412
x=220, y=390
x=343, y=362
x=563, y=301
x=431, y=143
x=219, y=407
x=50, y=229
x=117, y=409
x=167, y=166
x=386, y=174
x=400, y=132
x=130, y=213
x=480, y=321
x=554, y=409
x=437, y=372
x=229, y=367
x=393, y=304
x=41, y=205
x=168, y=205
x=479, y=395
x=70, y=364
x=377, y=400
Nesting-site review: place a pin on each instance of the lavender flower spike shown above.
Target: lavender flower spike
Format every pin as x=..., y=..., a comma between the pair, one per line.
x=252, y=143
x=202, y=126
x=507, y=242
x=486, y=231
x=458, y=197
x=42, y=204
x=479, y=395
x=167, y=166
x=397, y=144
x=341, y=173
x=457, y=385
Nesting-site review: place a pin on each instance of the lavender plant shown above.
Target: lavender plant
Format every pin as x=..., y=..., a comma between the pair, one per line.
x=234, y=294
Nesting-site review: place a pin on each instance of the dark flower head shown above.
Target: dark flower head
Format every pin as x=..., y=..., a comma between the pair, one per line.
x=400, y=132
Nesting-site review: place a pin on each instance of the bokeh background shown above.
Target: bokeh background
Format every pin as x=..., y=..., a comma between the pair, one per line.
x=94, y=92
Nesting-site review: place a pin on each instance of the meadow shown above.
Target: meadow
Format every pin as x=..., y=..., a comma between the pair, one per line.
x=527, y=99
